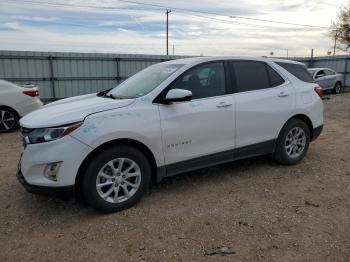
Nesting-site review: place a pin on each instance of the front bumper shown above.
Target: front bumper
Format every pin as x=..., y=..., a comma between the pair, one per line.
x=64, y=192
x=35, y=158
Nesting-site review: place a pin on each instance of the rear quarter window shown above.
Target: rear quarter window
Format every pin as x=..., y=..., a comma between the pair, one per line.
x=330, y=72
x=275, y=78
x=299, y=71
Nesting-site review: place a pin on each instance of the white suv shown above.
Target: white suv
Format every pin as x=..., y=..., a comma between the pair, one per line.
x=170, y=118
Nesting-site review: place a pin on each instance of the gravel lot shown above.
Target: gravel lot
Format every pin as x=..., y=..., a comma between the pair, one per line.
x=249, y=210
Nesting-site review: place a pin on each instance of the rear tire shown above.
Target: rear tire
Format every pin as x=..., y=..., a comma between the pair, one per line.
x=116, y=179
x=337, y=88
x=292, y=143
x=8, y=119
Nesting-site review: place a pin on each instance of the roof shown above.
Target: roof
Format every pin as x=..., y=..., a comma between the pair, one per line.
x=319, y=68
x=215, y=58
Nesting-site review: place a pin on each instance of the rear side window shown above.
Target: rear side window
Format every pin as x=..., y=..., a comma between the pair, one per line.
x=299, y=71
x=253, y=75
x=250, y=75
x=330, y=72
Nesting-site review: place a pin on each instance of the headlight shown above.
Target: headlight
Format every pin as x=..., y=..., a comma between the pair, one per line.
x=41, y=135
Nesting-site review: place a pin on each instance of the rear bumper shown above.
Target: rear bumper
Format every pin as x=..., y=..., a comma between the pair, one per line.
x=64, y=192
x=316, y=133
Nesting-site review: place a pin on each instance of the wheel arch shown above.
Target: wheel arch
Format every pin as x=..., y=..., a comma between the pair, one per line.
x=114, y=143
x=306, y=120
x=11, y=108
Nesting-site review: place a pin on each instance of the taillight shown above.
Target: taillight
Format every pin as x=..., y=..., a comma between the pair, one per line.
x=32, y=93
x=319, y=91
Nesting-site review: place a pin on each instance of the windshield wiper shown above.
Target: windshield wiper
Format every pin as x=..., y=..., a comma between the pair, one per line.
x=103, y=93
x=121, y=97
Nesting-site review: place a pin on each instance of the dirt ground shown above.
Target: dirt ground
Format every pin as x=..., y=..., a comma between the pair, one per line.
x=251, y=210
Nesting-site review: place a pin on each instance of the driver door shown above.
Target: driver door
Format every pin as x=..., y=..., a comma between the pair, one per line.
x=201, y=130
x=321, y=79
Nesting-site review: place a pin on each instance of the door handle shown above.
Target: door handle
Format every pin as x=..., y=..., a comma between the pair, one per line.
x=282, y=94
x=223, y=104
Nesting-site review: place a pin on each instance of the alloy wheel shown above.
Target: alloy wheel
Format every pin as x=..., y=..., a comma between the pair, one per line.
x=295, y=142
x=118, y=180
x=7, y=120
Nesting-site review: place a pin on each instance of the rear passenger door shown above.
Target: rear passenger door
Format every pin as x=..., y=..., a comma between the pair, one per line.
x=263, y=103
x=331, y=78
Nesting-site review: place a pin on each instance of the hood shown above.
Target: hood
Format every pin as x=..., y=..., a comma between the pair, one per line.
x=71, y=110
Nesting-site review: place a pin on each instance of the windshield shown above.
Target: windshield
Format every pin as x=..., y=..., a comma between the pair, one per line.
x=312, y=71
x=144, y=82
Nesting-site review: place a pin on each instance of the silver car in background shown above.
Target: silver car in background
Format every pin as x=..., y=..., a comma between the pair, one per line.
x=327, y=79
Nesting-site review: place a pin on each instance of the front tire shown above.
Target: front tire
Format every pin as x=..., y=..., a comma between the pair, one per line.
x=292, y=143
x=116, y=179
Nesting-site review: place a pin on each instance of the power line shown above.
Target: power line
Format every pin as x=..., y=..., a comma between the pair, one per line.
x=330, y=4
x=212, y=13
x=231, y=22
x=277, y=22
x=178, y=10
x=82, y=6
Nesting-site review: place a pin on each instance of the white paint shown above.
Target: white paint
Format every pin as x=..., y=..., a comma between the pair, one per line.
x=175, y=132
x=12, y=96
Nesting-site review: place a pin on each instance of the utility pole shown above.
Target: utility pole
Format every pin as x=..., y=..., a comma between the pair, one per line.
x=312, y=58
x=173, y=49
x=335, y=41
x=167, y=31
x=287, y=52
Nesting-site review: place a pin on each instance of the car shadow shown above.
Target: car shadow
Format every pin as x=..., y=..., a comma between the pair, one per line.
x=214, y=174
x=211, y=175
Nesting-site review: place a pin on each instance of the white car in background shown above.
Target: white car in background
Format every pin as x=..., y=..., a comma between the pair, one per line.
x=169, y=118
x=327, y=79
x=16, y=102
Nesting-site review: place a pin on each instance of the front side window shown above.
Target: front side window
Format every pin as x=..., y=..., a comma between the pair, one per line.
x=311, y=71
x=320, y=73
x=203, y=81
x=145, y=81
x=250, y=75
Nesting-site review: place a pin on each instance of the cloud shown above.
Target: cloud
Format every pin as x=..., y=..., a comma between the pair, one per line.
x=34, y=18
x=12, y=26
x=59, y=28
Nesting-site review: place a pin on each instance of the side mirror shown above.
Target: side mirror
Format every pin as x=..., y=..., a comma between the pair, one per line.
x=177, y=95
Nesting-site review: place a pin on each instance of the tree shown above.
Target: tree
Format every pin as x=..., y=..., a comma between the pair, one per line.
x=340, y=30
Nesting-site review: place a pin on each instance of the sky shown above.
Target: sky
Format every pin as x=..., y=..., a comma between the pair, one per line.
x=118, y=26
